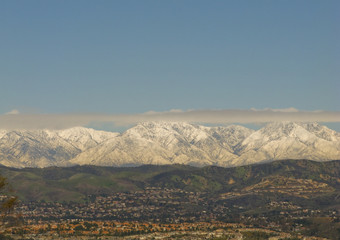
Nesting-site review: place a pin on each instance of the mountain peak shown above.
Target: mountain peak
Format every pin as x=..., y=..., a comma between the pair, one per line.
x=300, y=128
x=2, y=133
x=168, y=131
x=163, y=124
x=84, y=138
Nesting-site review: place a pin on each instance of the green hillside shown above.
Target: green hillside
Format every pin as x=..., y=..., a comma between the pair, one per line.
x=75, y=183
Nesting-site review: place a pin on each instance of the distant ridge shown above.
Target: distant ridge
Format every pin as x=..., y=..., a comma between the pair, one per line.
x=162, y=143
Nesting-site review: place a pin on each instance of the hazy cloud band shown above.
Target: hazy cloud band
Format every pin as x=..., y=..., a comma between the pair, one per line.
x=61, y=121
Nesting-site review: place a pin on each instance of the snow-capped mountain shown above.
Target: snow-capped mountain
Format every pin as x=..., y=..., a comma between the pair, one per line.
x=290, y=140
x=35, y=149
x=85, y=138
x=42, y=148
x=169, y=143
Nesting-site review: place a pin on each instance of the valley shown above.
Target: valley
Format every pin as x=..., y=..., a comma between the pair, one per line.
x=300, y=197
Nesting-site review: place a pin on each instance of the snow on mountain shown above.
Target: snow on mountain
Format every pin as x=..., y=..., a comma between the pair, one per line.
x=123, y=151
x=84, y=138
x=230, y=136
x=192, y=144
x=42, y=148
x=289, y=140
x=167, y=134
x=169, y=143
x=2, y=133
x=35, y=149
x=158, y=142
x=321, y=131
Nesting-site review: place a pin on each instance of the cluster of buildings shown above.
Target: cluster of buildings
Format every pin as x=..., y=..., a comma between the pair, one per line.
x=163, y=211
x=152, y=204
x=74, y=229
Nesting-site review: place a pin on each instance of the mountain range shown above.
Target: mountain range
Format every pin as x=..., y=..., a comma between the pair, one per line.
x=162, y=143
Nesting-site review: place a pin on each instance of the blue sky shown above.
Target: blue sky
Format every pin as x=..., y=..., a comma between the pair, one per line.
x=117, y=57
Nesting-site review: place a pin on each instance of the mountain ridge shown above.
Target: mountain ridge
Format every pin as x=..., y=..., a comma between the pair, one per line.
x=169, y=143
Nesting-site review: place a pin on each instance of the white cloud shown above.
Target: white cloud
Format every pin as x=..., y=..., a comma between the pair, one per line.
x=13, y=112
x=291, y=109
x=60, y=121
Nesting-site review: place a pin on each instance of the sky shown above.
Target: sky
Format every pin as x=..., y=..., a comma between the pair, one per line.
x=114, y=58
